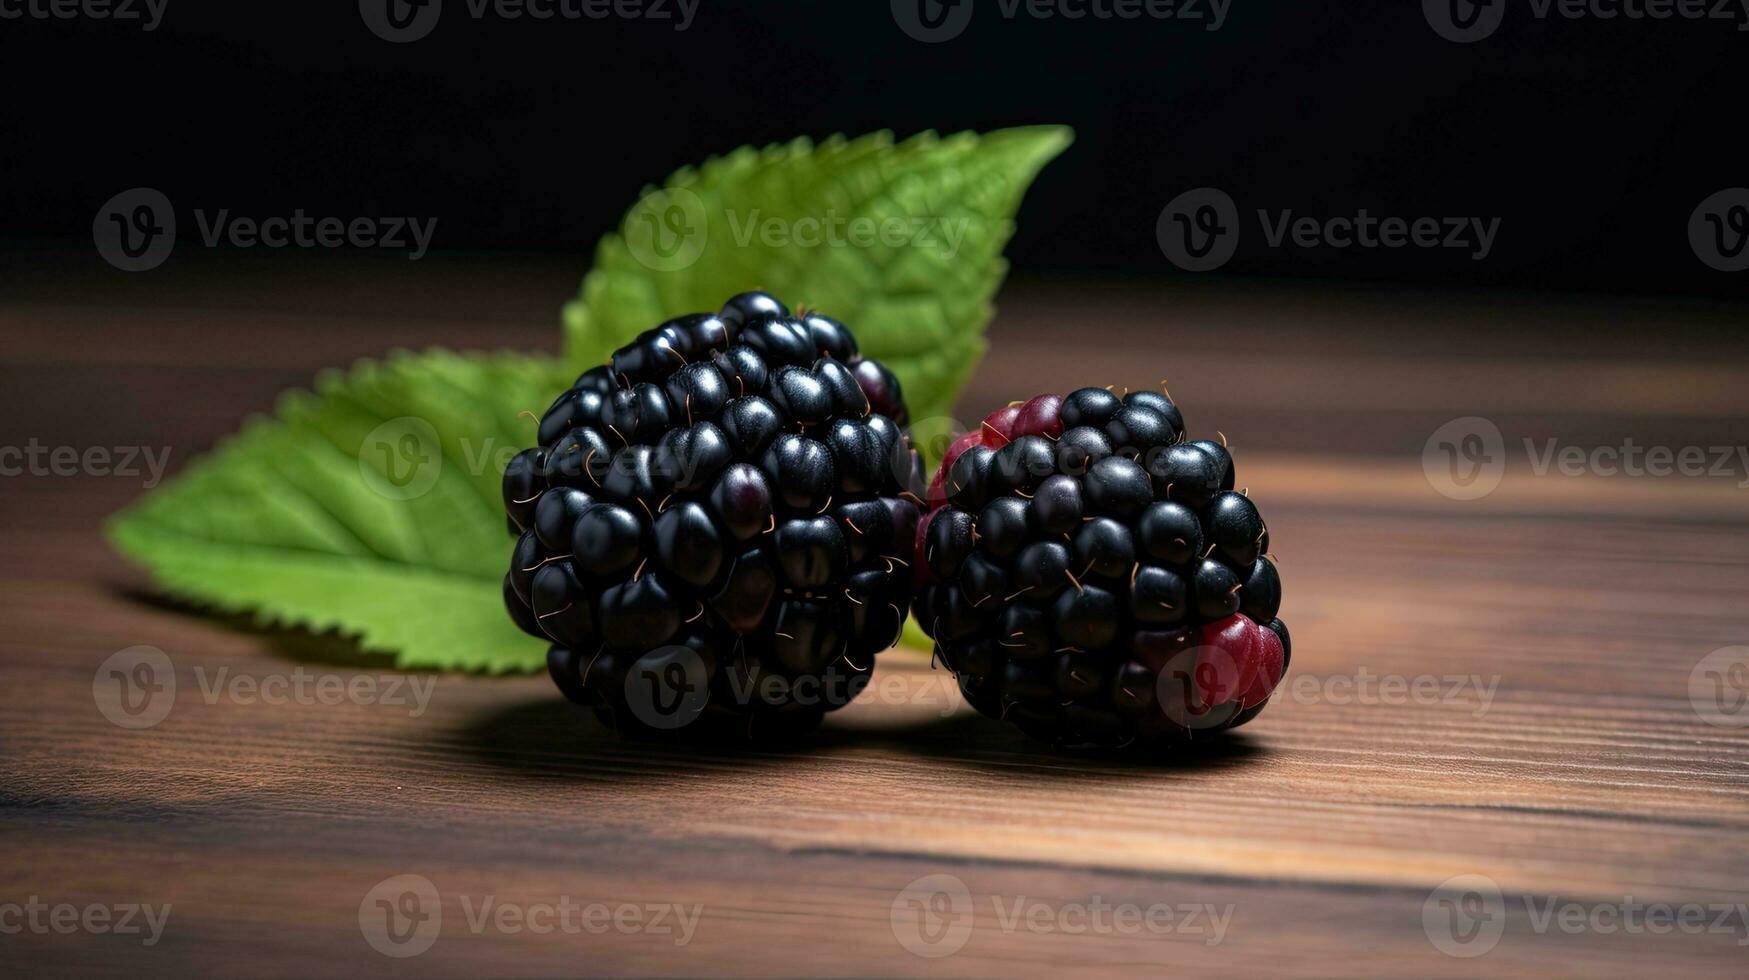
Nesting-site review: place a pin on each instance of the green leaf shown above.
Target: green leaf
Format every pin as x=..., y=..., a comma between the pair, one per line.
x=370, y=507
x=903, y=242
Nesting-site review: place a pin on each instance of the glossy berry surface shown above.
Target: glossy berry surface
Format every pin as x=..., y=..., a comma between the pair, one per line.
x=718, y=524
x=1093, y=577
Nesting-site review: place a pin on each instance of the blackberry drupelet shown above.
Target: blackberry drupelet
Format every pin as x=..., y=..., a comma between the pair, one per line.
x=718, y=524
x=1094, y=578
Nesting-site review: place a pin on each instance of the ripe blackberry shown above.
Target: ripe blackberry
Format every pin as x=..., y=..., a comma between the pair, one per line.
x=718, y=523
x=1093, y=577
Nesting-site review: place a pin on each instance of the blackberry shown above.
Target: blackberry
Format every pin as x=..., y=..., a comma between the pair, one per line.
x=1093, y=577
x=718, y=524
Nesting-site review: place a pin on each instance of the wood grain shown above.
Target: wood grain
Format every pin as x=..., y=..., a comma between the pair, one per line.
x=1561, y=757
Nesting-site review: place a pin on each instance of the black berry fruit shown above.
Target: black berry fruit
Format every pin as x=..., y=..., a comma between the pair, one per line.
x=1093, y=577
x=720, y=523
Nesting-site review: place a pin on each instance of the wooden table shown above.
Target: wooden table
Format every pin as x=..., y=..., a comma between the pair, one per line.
x=1559, y=754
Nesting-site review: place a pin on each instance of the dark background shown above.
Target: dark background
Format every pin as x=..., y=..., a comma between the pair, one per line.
x=1591, y=140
